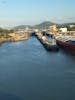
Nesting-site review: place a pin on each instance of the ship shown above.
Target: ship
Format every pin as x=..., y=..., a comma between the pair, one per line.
x=50, y=45
x=67, y=43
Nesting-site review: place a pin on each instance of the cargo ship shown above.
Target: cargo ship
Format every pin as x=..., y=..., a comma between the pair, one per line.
x=67, y=43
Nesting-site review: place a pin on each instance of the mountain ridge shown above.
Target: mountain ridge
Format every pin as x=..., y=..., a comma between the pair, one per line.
x=43, y=25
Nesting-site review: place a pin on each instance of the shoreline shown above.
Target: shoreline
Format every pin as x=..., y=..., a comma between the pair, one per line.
x=5, y=40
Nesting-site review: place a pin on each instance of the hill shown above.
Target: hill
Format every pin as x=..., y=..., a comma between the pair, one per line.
x=23, y=27
x=43, y=25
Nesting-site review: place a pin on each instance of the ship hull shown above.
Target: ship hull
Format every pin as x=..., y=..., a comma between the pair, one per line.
x=66, y=45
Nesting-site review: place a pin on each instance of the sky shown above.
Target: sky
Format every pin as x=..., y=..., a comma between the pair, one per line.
x=22, y=12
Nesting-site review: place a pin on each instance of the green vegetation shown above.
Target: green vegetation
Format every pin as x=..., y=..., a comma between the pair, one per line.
x=46, y=24
x=4, y=32
x=4, y=35
x=67, y=25
x=72, y=29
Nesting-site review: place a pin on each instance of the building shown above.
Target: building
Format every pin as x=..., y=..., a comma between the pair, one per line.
x=72, y=26
x=53, y=28
x=63, y=30
x=36, y=30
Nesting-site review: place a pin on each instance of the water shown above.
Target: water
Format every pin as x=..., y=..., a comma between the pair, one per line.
x=29, y=72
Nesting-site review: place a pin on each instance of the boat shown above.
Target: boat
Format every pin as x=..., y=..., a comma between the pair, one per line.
x=67, y=43
x=50, y=45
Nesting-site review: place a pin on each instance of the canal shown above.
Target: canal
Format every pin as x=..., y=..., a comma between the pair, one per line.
x=29, y=72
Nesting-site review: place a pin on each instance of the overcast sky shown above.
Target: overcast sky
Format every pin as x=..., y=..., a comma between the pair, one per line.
x=16, y=12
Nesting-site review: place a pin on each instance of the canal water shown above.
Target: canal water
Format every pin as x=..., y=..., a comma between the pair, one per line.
x=29, y=72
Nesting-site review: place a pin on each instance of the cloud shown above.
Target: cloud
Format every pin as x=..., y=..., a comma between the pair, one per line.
x=64, y=19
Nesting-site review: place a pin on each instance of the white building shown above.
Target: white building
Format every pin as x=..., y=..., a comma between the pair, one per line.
x=72, y=26
x=63, y=29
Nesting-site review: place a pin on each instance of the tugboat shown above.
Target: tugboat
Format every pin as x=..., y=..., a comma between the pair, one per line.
x=50, y=45
x=48, y=42
x=66, y=43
